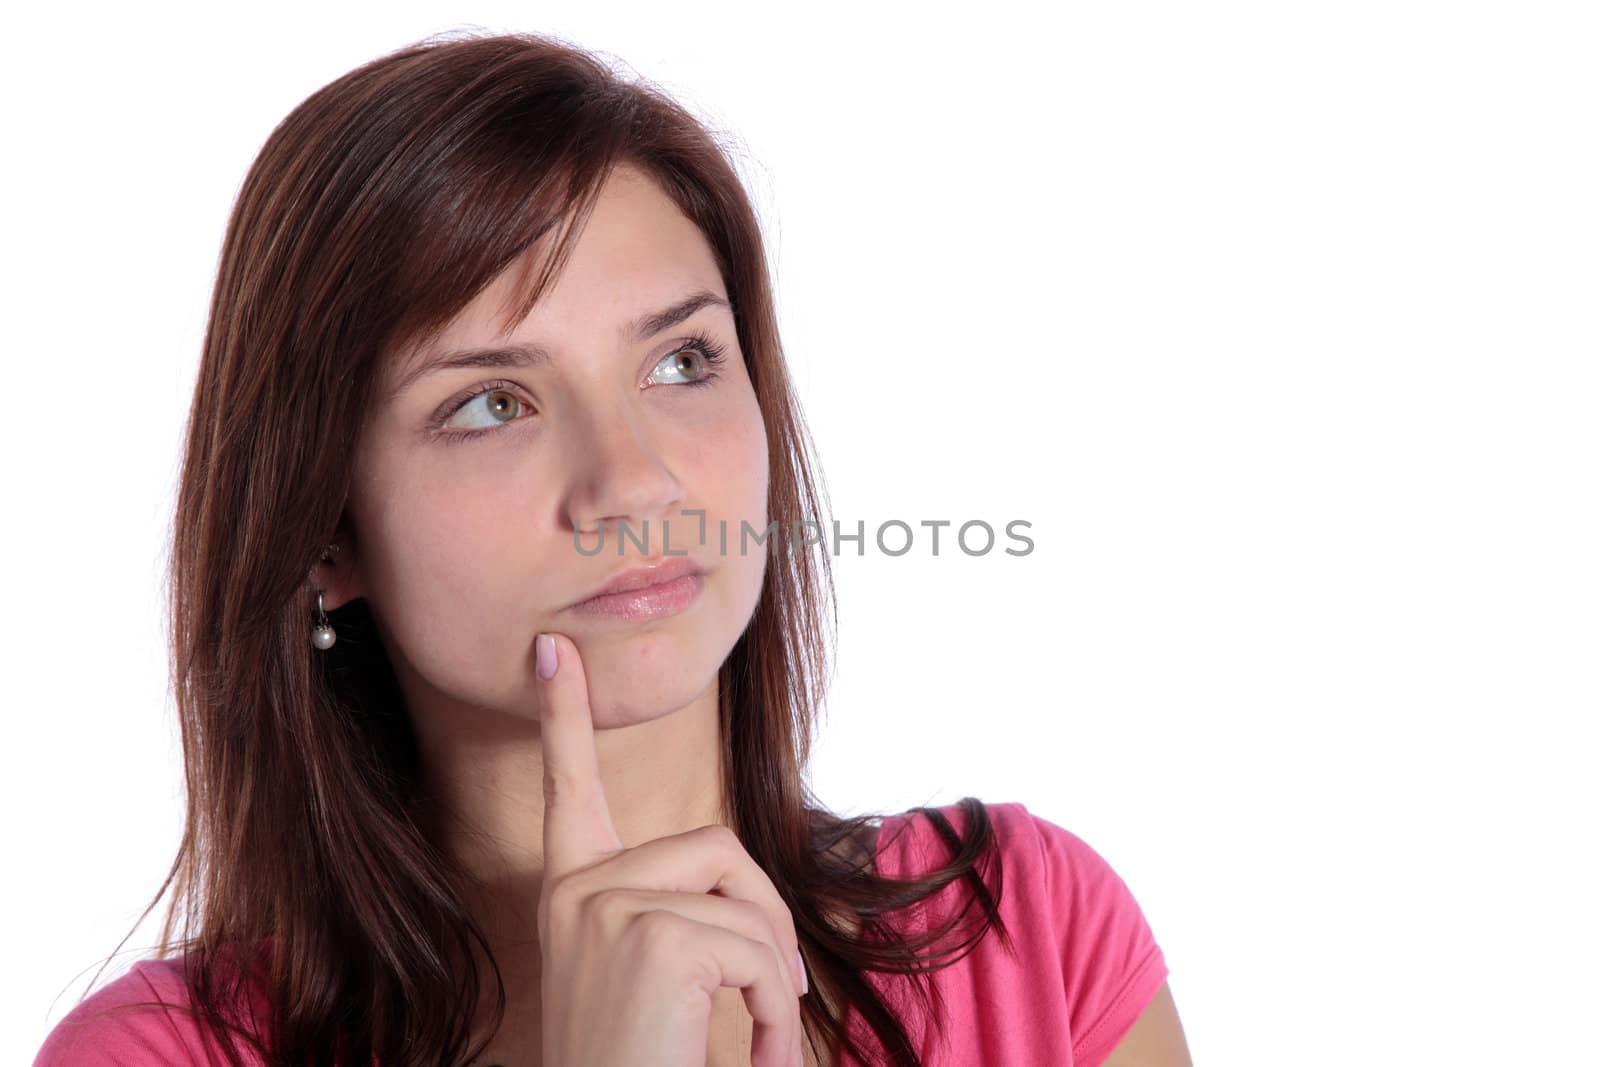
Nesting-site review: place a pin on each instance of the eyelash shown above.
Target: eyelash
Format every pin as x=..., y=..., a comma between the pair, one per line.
x=711, y=351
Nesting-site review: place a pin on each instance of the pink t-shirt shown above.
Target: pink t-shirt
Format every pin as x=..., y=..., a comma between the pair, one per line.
x=1087, y=965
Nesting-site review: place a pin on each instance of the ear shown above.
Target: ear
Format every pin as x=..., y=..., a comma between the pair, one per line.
x=336, y=572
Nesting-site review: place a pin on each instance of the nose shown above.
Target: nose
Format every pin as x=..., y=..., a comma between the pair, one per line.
x=622, y=478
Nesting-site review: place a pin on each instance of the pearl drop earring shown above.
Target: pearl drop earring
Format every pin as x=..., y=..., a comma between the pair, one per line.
x=323, y=636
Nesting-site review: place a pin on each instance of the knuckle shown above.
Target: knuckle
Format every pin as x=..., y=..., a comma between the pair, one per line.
x=722, y=837
x=610, y=908
x=783, y=970
x=562, y=899
x=558, y=786
x=657, y=936
x=755, y=917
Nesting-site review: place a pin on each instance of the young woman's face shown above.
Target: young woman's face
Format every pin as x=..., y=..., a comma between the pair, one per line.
x=464, y=547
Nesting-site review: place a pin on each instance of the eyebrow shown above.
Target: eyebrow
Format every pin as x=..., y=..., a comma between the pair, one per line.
x=639, y=329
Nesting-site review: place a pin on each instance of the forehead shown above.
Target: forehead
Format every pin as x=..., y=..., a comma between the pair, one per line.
x=636, y=252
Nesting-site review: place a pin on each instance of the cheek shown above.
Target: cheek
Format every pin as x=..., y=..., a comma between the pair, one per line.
x=742, y=490
x=450, y=580
x=721, y=458
x=746, y=459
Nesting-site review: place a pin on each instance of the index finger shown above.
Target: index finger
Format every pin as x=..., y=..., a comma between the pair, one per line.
x=578, y=830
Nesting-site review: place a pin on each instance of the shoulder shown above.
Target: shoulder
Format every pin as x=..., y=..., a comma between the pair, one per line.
x=133, y=1019
x=1112, y=965
x=1070, y=912
x=1032, y=847
x=140, y=1018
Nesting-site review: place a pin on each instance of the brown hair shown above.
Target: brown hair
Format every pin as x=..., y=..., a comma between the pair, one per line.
x=374, y=212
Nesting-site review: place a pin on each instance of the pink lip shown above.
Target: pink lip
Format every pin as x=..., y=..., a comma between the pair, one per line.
x=646, y=592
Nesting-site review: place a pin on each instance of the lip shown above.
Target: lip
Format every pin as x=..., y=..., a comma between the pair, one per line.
x=651, y=590
x=645, y=575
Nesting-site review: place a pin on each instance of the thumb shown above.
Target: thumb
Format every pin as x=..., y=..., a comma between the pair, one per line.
x=578, y=830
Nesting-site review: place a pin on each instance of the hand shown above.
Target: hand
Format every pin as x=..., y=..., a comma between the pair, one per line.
x=633, y=942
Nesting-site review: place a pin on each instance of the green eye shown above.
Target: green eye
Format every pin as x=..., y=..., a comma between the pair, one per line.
x=710, y=353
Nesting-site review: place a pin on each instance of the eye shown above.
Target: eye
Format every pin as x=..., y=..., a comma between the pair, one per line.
x=501, y=406
x=691, y=363
x=685, y=370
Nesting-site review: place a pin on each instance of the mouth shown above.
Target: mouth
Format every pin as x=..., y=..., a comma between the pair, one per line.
x=655, y=601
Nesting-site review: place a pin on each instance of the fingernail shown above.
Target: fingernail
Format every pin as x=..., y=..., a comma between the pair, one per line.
x=544, y=647
x=800, y=965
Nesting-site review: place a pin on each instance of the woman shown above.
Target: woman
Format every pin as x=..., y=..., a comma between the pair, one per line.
x=496, y=655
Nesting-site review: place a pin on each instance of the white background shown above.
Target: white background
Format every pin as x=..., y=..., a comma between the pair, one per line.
x=1276, y=321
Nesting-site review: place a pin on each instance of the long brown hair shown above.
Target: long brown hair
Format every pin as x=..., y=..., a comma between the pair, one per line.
x=373, y=214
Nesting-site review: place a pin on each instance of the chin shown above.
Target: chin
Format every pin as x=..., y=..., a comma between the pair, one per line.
x=616, y=703
x=640, y=676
